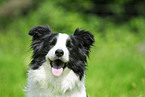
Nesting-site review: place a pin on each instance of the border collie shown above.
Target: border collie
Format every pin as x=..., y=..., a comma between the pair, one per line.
x=58, y=63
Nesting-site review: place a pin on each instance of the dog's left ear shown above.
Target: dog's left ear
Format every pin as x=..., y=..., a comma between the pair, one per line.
x=39, y=31
x=85, y=38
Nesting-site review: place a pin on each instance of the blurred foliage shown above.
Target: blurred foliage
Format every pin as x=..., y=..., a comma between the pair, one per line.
x=116, y=10
x=116, y=64
x=12, y=9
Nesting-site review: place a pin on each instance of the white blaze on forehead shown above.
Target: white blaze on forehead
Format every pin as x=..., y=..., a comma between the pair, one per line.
x=61, y=40
x=60, y=44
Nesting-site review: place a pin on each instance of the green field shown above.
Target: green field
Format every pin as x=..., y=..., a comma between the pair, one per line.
x=116, y=65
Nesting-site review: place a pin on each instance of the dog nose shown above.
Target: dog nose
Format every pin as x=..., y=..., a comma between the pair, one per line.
x=59, y=52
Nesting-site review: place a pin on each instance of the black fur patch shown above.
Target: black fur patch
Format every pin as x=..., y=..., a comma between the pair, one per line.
x=80, y=44
x=43, y=40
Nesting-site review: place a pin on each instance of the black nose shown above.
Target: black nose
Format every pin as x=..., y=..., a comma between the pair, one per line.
x=59, y=52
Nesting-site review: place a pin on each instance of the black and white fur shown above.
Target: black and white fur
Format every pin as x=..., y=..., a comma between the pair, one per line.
x=58, y=51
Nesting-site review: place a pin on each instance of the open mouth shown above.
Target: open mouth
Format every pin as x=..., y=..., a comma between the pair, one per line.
x=57, y=67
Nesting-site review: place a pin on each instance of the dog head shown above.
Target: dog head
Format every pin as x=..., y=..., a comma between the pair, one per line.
x=60, y=50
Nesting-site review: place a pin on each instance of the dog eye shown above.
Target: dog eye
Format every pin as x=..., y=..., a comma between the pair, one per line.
x=52, y=43
x=69, y=44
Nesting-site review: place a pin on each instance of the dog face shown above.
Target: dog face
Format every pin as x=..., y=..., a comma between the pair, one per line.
x=60, y=50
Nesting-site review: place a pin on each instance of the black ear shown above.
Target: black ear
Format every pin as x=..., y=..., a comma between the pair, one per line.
x=39, y=31
x=85, y=39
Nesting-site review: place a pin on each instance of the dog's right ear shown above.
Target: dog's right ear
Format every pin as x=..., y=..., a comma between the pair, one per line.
x=39, y=31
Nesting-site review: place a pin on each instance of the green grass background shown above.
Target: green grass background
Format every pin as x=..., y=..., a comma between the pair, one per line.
x=116, y=65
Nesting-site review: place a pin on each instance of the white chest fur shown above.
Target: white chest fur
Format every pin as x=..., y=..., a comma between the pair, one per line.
x=41, y=83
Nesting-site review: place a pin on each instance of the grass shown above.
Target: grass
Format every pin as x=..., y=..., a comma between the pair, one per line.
x=116, y=65
x=115, y=71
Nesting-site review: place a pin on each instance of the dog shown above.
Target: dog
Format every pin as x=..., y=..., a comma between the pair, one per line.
x=58, y=63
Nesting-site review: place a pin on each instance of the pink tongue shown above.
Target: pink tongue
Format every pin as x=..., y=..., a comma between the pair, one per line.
x=57, y=72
